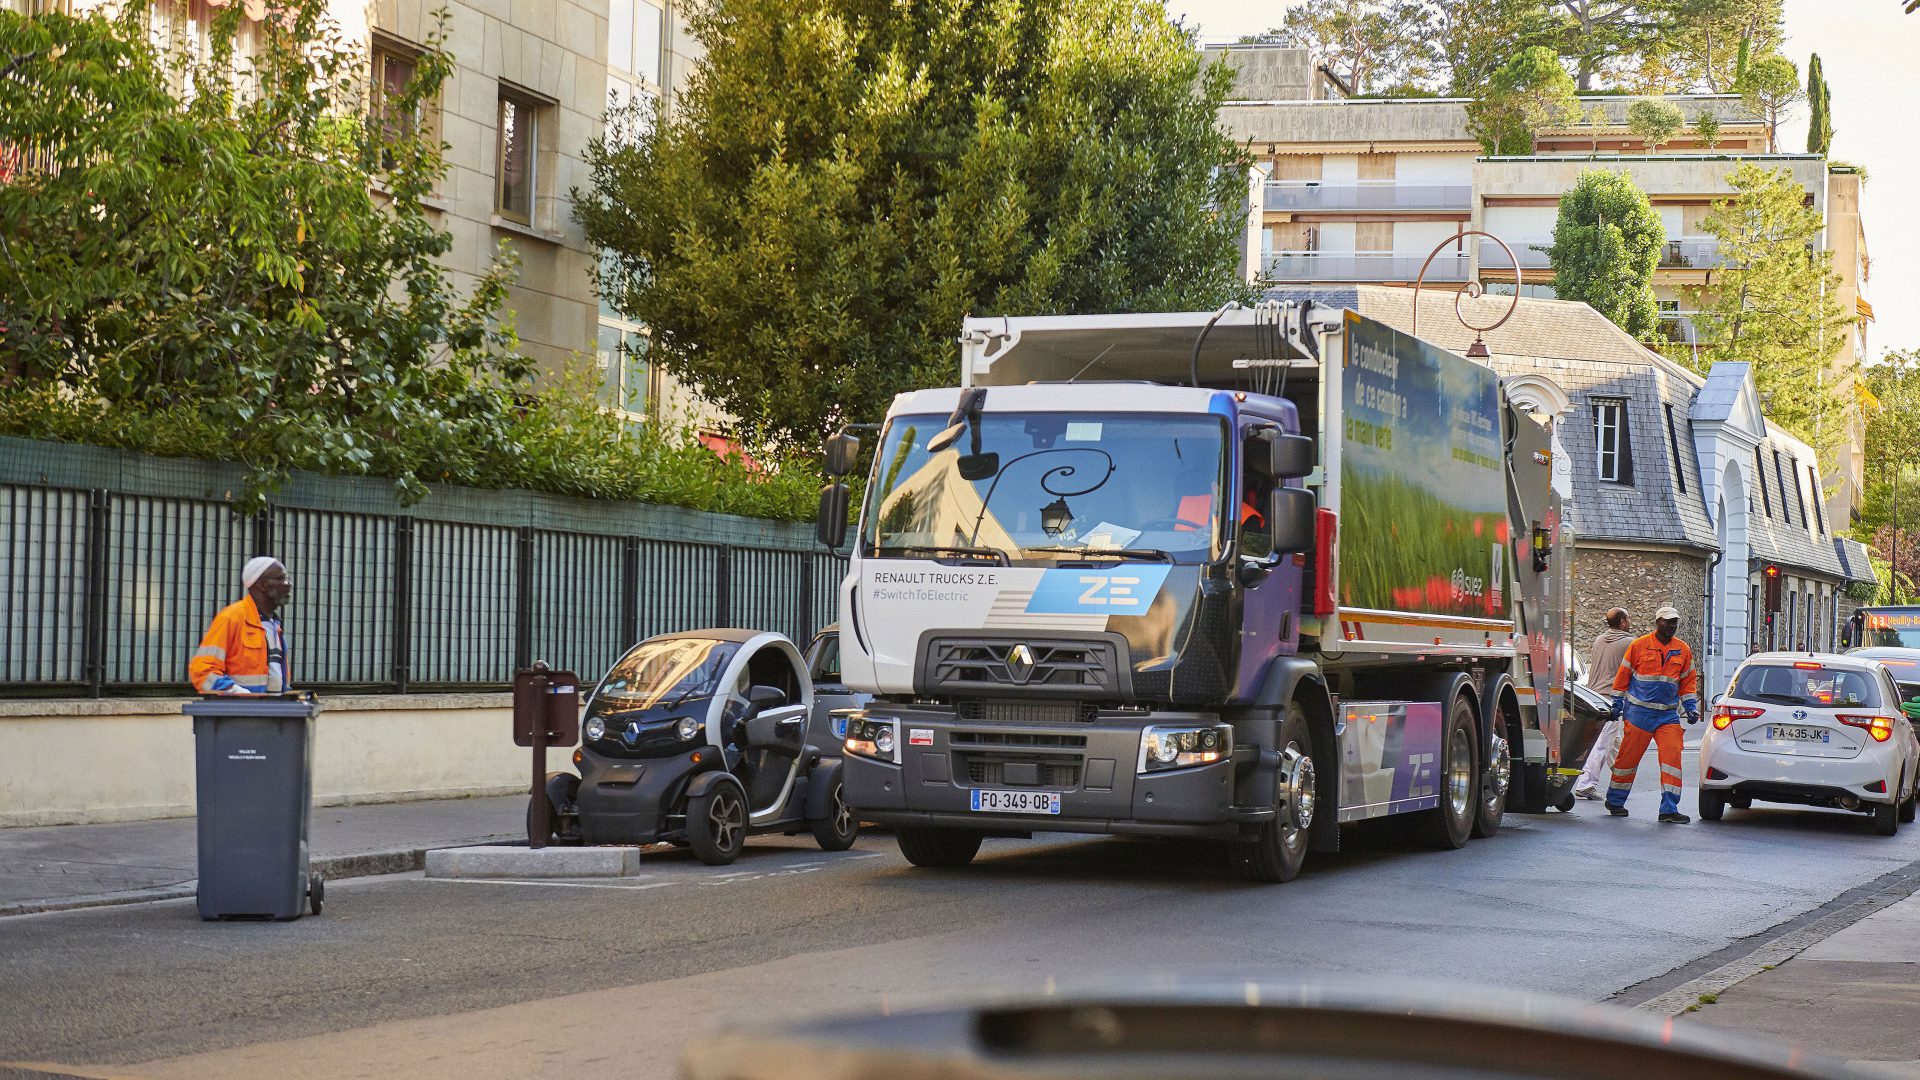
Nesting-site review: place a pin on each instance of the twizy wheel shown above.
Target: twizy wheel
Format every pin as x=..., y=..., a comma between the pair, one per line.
x=717, y=824
x=838, y=830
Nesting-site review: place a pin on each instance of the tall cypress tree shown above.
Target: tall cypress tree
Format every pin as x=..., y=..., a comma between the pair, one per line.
x=1820, y=126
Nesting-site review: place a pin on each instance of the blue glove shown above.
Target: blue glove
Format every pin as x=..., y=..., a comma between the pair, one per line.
x=1693, y=714
x=1619, y=709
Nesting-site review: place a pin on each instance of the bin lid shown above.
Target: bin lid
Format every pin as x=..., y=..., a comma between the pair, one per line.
x=257, y=705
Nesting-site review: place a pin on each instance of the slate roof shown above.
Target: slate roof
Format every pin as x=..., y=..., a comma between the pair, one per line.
x=1589, y=357
x=1788, y=535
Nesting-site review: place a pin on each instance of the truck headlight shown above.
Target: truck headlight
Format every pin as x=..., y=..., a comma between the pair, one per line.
x=687, y=728
x=1165, y=746
x=874, y=739
x=596, y=729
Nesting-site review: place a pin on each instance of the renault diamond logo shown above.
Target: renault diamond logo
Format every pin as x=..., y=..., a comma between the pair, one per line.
x=1020, y=663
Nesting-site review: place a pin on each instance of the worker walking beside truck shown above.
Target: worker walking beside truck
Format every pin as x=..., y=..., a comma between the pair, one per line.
x=1603, y=663
x=1655, y=683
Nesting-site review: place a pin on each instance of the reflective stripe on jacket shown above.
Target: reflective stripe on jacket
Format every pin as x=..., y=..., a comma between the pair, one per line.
x=1656, y=680
x=233, y=654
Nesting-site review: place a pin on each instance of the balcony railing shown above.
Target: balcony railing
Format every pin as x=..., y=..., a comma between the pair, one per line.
x=1359, y=266
x=1492, y=258
x=1382, y=195
x=1691, y=253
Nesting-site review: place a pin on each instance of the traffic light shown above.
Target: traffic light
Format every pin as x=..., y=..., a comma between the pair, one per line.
x=1771, y=575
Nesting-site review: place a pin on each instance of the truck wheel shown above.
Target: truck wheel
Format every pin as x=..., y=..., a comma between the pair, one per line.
x=937, y=848
x=1278, y=852
x=1448, y=825
x=1712, y=804
x=1494, y=784
x=717, y=824
x=839, y=829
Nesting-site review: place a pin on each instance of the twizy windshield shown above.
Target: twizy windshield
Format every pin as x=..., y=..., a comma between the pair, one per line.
x=666, y=670
x=1041, y=487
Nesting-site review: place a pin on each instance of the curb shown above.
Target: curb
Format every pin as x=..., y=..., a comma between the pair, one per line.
x=330, y=867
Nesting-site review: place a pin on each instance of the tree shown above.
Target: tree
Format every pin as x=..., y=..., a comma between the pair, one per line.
x=1529, y=94
x=1707, y=126
x=1370, y=45
x=224, y=261
x=1473, y=38
x=1892, y=406
x=1820, y=124
x=1596, y=33
x=1606, y=244
x=1655, y=120
x=1710, y=37
x=1774, y=304
x=841, y=182
x=1742, y=60
x=1771, y=87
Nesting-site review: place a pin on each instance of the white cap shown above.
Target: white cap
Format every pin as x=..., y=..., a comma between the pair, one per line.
x=257, y=566
x=1667, y=611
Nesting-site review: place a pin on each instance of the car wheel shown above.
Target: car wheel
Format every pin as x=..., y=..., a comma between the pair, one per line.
x=717, y=824
x=1886, y=818
x=839, y=829
x=1712, y=804
x=1280, y=849
x=937, y=848
x=1494, y=782
x=1448, y=825
x=1908, y=805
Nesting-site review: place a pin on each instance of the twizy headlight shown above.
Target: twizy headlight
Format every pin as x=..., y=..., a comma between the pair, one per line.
x=1178, y=747
x=874, y=739
x=596, y=729
x=688, y=728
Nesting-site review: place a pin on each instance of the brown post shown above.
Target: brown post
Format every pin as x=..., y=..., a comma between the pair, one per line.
x=539, y=821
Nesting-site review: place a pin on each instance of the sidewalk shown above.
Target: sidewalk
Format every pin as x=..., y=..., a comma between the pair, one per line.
x=67, y=866
x=1855, y=995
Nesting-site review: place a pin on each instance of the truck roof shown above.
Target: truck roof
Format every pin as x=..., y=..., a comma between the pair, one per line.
x=1245, y=343
x=1089, y=396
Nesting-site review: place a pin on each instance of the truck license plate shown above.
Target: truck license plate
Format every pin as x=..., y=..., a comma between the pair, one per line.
x=1016, y=802
x=1789, y=733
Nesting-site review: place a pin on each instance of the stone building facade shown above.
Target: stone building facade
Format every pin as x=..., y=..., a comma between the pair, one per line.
x=1640, y=580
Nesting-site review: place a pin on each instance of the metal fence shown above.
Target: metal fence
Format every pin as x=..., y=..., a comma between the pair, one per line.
x=104, y=592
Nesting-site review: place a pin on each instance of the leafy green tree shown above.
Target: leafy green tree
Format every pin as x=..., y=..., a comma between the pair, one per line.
x=1770, y=88
x=841, y=182
x=1606, y=244
x=1710, y=37
x=1596, y=34
x=1742, y=60
x=1655, y=120
x=1820, y=124
x=1473, y=38
x=1528, y=94
x=1774, y=304
x=1370, y=45
x=234, y=250
x=1707, y=126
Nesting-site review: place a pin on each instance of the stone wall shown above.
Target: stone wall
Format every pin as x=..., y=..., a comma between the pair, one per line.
x=1640, y=581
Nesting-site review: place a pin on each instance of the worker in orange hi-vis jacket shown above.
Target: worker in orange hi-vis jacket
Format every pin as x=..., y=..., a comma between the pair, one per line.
x=1656, y=682
x=245, y=650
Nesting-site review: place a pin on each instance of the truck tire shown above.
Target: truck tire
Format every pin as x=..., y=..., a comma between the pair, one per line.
x=940, y=849
x=717, y=824
x=1448, y=825
x=1496, y=780
x=1280, y=849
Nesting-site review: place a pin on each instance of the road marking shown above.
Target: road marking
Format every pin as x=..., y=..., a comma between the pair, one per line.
x=556, y=884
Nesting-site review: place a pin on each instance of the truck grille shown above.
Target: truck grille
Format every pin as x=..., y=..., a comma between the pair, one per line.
x=1053, y=774
x=960, y=665
x=1019, y=739
x=1025, y=712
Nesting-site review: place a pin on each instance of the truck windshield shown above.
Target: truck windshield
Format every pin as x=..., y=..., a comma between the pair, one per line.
x=1050, y=487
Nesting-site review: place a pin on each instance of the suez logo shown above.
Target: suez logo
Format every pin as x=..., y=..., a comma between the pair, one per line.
x=1120, y=590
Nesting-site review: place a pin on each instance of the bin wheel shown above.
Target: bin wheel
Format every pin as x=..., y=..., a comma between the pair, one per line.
x=1565, y=805
x=316, y=892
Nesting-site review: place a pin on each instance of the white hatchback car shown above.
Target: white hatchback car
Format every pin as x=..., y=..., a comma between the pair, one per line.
x=1815, y=729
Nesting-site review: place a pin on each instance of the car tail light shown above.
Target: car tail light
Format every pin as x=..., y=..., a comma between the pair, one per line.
x=1880, y=727
x=1727, y=714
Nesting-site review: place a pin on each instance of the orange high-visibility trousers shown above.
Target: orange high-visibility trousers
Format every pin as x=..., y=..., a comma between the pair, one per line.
x=1626, y=764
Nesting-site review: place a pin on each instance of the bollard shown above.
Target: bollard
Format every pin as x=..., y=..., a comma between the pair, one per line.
x=546, y=711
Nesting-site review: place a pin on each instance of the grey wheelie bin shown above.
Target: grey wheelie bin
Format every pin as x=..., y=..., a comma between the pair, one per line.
x=254, y=793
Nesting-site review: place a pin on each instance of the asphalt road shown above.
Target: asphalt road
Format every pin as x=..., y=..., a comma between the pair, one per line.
x=427, y=978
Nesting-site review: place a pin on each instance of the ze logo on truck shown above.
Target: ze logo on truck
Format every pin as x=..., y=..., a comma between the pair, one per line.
x=1127, y=590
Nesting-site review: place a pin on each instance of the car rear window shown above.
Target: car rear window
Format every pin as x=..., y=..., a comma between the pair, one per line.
x=1812, y=687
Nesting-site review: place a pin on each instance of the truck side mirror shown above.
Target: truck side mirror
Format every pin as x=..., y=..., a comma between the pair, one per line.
x=1292, y=456
x=831, y=525
x=1292, y=519
x=843, y=452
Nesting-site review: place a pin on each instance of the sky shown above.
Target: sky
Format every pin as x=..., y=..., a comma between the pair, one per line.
x=1871, y=54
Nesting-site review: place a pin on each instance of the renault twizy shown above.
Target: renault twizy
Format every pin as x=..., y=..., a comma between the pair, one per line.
x=702, y=739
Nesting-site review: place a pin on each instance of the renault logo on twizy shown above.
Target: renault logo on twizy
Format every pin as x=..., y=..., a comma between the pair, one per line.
x=1020, y=663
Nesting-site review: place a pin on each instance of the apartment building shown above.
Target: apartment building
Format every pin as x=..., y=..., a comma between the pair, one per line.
x=530, y=89
x=1380, y=191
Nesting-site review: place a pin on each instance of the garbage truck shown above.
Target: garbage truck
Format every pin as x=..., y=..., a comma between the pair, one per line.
x=1244, y=577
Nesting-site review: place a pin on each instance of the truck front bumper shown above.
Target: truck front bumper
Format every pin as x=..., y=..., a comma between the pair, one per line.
x=1093, y=767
